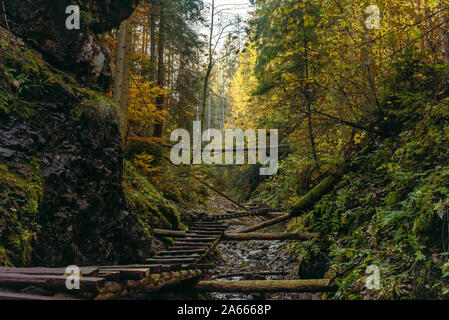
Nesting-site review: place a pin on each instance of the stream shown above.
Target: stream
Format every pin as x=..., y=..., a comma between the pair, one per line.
x=251, y=257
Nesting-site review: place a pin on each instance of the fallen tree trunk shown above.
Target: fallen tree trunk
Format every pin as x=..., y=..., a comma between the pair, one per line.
x=302, y=205
x=209, y=186
x=218, y=192
x=266, y=223
x=269, y=236
x=313, y=196
x=316, y=285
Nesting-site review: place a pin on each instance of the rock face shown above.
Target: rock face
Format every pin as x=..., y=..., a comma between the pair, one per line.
x=81, y=218
x=61, y=195
x=42, y=23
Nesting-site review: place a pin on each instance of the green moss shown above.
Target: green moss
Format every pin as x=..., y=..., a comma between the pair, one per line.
x=25, y=78
x=152, y=209
x=86, y=17
x=23, y=192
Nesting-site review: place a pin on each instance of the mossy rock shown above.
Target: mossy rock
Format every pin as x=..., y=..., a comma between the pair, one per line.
x=22, y=194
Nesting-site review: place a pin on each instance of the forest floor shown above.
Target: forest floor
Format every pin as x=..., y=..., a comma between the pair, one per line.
x=252, y=257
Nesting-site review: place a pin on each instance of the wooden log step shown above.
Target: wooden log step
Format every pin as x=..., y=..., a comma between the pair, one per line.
x=205, y=233
x=169, y=233
x=209, y=225
x=238, y=214
x=194, y=256
x=269, y=236
x=85, y=271
x=162, y=260
x=182, y=247
x=213, y=223
x=246, y=286
x=182, y=243
x=54, y=282
x=206, y=228
x=153, y=268
x=130, y=273
x=158, y=267
x=197, y=239
x=210, y=233
x=202, y=236
x=181, y=252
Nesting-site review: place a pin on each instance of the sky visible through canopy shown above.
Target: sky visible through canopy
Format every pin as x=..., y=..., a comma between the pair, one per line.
x=228, y=10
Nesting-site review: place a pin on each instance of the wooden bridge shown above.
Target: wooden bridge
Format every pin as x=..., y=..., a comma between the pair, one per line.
x=180, y=265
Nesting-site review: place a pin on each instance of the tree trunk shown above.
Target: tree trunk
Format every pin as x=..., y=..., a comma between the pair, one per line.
x=126, y=68
x=158, y=127
x=266, y=223
x=209, y=66
x=313, y=196
x=308, y=103
x=153, y=40
x=302, y=205
x=119, y=63
x=121, y=81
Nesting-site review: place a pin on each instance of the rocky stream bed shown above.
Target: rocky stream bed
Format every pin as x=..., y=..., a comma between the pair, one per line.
x=252, y=257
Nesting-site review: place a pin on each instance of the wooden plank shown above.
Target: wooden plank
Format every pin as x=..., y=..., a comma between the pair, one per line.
x=158, y=267
x=246, y=286
x=162, y=260
x=205, y=223
x=181, y=252
x=239, y=214
x=198, y=239
x=7, y=295
x=206, y=233
x=179, y=247
x=85, y=271
x=208, y=224
x=47, y=281
x=182, y=243
x=206, y=228
x=153, y=268
x=193, y=256
x=130, y=273
x=203, y=236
